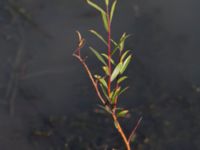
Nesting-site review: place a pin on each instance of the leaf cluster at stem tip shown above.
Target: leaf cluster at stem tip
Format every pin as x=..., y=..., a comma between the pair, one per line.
x=106, y=17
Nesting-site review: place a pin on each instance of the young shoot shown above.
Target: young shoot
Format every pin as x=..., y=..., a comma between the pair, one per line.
x=109, y=84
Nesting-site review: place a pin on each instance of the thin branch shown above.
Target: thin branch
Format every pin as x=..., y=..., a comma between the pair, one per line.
x=134, y=130
x=91, y=78
x=77, y=54
x=121, y=132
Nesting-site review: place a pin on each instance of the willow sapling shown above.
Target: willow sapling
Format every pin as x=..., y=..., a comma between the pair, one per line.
x=108, y=85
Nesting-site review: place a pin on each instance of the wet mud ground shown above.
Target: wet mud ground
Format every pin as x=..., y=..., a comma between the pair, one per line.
x=47, y=102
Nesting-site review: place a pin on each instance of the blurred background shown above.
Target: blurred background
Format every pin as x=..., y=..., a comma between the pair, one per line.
x=47, y=101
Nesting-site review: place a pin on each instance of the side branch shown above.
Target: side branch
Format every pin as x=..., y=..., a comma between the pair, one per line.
x=134, y=129
x=91, y=78
x=77, y=54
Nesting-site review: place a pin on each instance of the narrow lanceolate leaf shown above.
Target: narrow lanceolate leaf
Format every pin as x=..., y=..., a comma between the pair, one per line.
x=122, y=113
x=122, y=41
x=121, y=79
x=116, y=94
x=106, y=56
x=125, y=64
x=104, y=90
x=124, y=55
x=103, y=13
x=98, y=55
x=107, y=2
x=99, y=36
x=95, y=6
x=106, y=70
x=115, y=43
x=103, y=82
x=123, y=90
x=111, y=95
x=116, y=71
x=116, y=47
x=112, y=10
x=105, y=20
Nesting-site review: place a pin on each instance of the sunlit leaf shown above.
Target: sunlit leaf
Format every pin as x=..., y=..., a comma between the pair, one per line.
x=122, y=113
x=116, y=71
x=99, y=36
x=125, y=64
x=116, y=94
x=95, y=6
x=121, y=79
x=103, y=82
x=103, y=13
x=107, y=2
x=115, y=43
x=124, y=55
x=111, y=94
x=98, y=55
x=113, y=9
x=104, y=90
x=106, y=70
x=105, y=20
x=122, y=41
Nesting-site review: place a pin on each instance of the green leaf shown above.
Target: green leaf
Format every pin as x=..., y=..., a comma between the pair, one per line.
x=122, y=113
x=116, y=94
x=103, y=82
x=99, y=36
x=112, y=10
x=105, y=20
x=95, y=6
x=111, y=94
x=122, y=41
x=123, y=90
x=104, y=90
x=121, y=79
x=116, y=71
x=98, y=55
x=124, y=55
x=116, y=47
x=106, y=70
x=103, y=13
x=107, y=2
x=106, y=56
x=125, y=64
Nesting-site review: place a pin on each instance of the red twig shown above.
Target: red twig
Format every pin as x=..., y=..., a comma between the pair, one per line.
x=134, y=129
x=109, y=52
x=77, y=54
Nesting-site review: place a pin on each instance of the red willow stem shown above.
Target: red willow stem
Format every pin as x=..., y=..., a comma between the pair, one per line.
x=109, y=52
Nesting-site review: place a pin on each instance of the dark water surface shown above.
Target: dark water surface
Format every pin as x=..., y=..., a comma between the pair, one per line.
x=46, y=98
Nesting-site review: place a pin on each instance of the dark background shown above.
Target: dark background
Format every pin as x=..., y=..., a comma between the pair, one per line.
x=47, y=101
